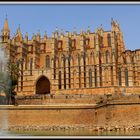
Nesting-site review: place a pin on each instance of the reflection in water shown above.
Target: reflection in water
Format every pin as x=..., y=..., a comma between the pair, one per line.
x=75, y=133
x=3, y=122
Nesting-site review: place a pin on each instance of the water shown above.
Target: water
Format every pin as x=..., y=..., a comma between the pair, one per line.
x=71, y=133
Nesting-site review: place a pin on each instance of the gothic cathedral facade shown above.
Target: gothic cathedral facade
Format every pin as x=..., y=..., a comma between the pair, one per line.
x=72, y=63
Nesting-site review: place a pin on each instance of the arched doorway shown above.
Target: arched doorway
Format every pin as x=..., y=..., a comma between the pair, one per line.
x=43, y=85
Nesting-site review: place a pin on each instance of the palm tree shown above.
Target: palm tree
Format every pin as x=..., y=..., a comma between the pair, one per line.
x=13, y=73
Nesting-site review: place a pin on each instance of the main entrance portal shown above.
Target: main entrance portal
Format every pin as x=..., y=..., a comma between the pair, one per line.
x=43, y=85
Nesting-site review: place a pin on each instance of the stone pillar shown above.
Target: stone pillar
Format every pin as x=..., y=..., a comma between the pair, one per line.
x=104, y=76
x=53, y=81
x=130, y=75
x=53, y=46
x=72, y=75
x=109, y=75
x=87, y=72
x=93, y=76
x=33, y=62
x=62, y=75
x=82, y=43
x=98, y=69
x=24, y=65
x=67, y=73
x=114, y=53
x=123, y=77
x=82, y=71
x=57, y=75
x=115, y=81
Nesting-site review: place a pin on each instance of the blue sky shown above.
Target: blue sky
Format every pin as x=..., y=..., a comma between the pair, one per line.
x=46, y=17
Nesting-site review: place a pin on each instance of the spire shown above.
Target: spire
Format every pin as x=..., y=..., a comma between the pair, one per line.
x=18, y=33
x=18, y=30
x=6, y=27
x=61, y=33
x=38, y=34
x=88, y=30
x=74, y=31
x=67, y=33
x=81, y=32
x=56, y=32
x=5, y=31
x=45, y=36
x=56, y=29
x=26, y=36
x=34, y=37
x=114, y=25
x=53, y=36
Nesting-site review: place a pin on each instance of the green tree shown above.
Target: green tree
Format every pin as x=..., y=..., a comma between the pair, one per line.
x=13, y=74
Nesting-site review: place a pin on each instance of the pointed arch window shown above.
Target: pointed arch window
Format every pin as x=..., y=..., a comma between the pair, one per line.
x=64, y=60
x=107, y=57
x=84, y=59
x=73, y=44
x=120, y=77
x=69, y=73
x=95, y=77
x=126, y=77
x=60, y=45
x=31, y=64
x=74, y=77
x=59, y=80
x=101, y=41
x=109, y=40
x=87, y=41
x=90, y=78
x=94, y=42
x=47, y=61
x=125, y=61
x=79, y=70
x=54, y=68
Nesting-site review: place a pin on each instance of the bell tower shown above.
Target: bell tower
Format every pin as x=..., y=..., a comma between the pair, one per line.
x=5, y=32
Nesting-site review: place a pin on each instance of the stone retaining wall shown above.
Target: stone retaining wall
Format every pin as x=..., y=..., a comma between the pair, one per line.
x=103, y=117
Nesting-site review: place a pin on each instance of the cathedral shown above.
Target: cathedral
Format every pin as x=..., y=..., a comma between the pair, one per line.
x=73, y=63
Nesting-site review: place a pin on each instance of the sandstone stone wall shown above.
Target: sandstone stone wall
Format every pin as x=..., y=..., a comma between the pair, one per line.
x=106, y=116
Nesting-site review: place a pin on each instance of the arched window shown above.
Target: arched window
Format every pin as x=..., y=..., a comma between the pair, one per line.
x=91, y=59
x=101, y=41
x=124, y=60
x=95, y=77
x=107, y=57
x=84, y=70
x=54, y=68
x=132, y=59
x=31, y=63
x=126, y=77
x=64, y=73
x=90, y=78
x=73, y=43
x=79, y=71
x=47, y=61
x=69, y=73
x=100, y=71
x=94, y=42
x=87, y=42
x=26, y=64
x=59, y=80
x=109, y=40
x=119, y=77
x=74, y=77
x=112, y=82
